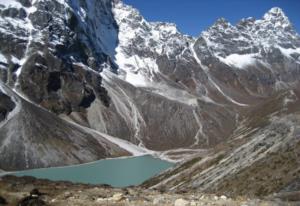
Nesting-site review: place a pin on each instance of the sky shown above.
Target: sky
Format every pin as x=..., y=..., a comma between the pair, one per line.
x=194, y=16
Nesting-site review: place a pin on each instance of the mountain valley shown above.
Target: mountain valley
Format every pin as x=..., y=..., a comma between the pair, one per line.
x=83, y=80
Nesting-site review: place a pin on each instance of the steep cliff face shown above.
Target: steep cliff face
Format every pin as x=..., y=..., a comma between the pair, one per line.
x=48, y=43
x=102, y=66
x=51, y=56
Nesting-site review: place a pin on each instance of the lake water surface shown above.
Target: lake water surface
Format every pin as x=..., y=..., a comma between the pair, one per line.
x=119, y=172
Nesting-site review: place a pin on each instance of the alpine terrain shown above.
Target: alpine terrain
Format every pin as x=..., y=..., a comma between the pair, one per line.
x=83, y=80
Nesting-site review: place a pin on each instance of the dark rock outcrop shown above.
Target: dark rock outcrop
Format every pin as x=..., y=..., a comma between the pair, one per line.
x=31, y=201
x=3, y=201
x=6, y=106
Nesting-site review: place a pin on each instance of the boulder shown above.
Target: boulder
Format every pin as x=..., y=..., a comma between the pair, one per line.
x=158, y=200
x=117, y=197
x=2, y=201
x=223, y=197
x=31, y=201
x=181, y=202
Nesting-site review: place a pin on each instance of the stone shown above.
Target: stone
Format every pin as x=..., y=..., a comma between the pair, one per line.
x=223, y=197
x=193, y=203
x=158, y=200
x=29, y=201
x=68, y=195
x=117, y=197
x=35, y=193
x=100, y=199
x=181, y=202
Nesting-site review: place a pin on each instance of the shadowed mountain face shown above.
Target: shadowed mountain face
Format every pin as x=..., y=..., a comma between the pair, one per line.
x=92, y=68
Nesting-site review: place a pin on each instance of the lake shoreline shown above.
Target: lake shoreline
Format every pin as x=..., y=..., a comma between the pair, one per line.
x=118, y=172
x=92, y=162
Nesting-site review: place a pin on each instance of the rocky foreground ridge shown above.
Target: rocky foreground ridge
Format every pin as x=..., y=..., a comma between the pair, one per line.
x=23, y=191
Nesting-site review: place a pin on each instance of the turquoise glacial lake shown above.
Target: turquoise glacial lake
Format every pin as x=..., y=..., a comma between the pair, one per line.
x=120, y=172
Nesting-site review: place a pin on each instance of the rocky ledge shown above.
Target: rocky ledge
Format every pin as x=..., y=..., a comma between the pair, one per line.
x=30, y=191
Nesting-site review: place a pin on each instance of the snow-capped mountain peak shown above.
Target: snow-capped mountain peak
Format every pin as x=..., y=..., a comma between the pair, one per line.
x=221, y=22
x=277, y=14
x=141, y=42
x=276, y=18
x=250, y=41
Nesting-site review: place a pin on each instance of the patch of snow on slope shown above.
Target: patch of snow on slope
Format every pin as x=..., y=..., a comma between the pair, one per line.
x=174, y=94
x=31, y=30
x=206, y=70
x=135, y=79
x=128, y=146
x=15, y=60
x=171, y=93
x=288, y=52
x=3, y=59
x=10, y=3
x=240, y=61
x=135, y=69
x=133, y=149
